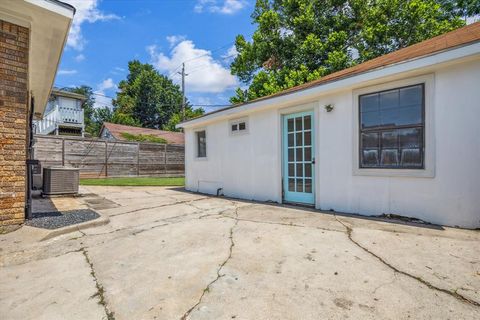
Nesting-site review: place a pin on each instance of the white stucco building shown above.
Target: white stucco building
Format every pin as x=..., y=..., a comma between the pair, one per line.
x=399, y=134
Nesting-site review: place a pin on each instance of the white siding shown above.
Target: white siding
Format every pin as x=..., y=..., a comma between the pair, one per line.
x=249, y=166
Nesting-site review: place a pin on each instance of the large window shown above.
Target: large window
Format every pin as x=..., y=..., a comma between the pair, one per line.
x=201, y=144
x=392, y=126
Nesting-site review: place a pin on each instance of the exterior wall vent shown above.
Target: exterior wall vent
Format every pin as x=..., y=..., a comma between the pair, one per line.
x=60, y=180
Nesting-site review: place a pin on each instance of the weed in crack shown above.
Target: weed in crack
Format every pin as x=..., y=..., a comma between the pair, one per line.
x=100, y=294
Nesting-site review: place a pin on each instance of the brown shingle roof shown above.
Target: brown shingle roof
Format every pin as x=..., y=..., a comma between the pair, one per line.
x=456, y=38
x=117, y=129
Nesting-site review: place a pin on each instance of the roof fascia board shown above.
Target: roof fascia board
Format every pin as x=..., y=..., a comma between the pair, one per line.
x=406, y=66
x=54, y=6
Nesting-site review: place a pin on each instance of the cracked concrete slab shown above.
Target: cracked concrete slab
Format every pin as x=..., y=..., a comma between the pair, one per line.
x=170, y=254
x=53, y=288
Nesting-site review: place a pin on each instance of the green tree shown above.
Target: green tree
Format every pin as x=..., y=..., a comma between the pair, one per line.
x=176, y=118
x=301, y=40
x=462, y=8
x=147, y=97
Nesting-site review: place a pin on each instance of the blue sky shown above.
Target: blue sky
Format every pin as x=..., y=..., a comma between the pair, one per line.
x=106, y=34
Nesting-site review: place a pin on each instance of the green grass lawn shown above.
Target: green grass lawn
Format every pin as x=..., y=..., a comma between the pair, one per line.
x=134, y=181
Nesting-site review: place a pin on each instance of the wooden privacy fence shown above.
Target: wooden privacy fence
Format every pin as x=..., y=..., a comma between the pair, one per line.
x=102, y=158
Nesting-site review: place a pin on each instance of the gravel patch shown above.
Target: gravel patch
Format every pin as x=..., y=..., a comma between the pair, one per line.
x=57, y=219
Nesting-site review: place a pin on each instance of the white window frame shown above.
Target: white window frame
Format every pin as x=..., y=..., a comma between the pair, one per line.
x=429, y=147
x=237, y=122
x=195, y=137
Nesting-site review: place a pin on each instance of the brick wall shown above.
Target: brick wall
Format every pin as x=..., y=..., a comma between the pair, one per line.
x=13, y=121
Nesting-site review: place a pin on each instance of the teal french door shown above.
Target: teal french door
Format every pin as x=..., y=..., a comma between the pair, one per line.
x=298, y=158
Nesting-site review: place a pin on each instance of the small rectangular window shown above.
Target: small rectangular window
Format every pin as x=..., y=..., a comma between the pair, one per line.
x=201, y=144
x=392, y=128
x=238, y=126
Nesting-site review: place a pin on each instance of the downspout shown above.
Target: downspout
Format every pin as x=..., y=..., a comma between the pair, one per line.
x=28, y=204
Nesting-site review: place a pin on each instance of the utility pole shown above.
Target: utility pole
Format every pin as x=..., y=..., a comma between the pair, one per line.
x=183, y=91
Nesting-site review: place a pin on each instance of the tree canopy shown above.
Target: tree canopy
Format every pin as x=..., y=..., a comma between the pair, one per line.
x=301, y=40
x=150, y=99
x=146, y=99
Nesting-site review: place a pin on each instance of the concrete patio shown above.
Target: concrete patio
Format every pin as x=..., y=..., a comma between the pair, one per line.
x=170, y=254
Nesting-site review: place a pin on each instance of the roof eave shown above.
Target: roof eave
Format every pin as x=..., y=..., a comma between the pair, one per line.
x=349, y=80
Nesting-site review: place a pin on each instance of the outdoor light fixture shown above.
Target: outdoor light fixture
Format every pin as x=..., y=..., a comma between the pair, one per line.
x=329, y=107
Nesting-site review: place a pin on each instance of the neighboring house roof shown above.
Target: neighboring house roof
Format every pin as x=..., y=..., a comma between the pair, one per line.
x=117, y=129
x=62, y=93
x=457, y=38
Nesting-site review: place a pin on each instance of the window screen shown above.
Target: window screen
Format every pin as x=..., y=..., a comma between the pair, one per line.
x=392, y=128
x=201, y=144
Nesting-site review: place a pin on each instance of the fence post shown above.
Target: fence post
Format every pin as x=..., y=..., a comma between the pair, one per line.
x=63, y=152
x=138, y=159
x=106, y=159
x=165, y=159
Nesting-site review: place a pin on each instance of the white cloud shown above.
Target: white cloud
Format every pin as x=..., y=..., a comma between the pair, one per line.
x=220, y=6
x=205, y=74
x=66, y=72
x=101, y=98
x=174, y=40
x=230, y=55
x=79, y=57
x=106, y=84
x=86, y=11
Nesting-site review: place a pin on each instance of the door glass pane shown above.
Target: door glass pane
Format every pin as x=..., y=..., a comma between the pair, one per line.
x=290, y=139
x=291, y=170
x=298, y=124
x=299, y=185
x=290, y=125
x=307, y=122
x=299, y=138
x=308, y=154
x=299, y=170
x=308, y=185
x=291, y=154
x=308, y=170
x=291, y=185
x=299, y=154
x=308, y=138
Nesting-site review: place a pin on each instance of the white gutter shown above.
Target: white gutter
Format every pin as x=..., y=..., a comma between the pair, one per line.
x=58, y=7
x=408, y=65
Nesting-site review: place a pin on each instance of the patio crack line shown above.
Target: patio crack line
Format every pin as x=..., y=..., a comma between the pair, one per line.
x=154, y=207
x=100, y=290
x=282, y=224
x=219, y=275
x=453, y=294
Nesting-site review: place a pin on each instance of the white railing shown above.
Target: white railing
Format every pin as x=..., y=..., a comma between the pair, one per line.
x=56, y=117
x=48, y=123
x=70, y=115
